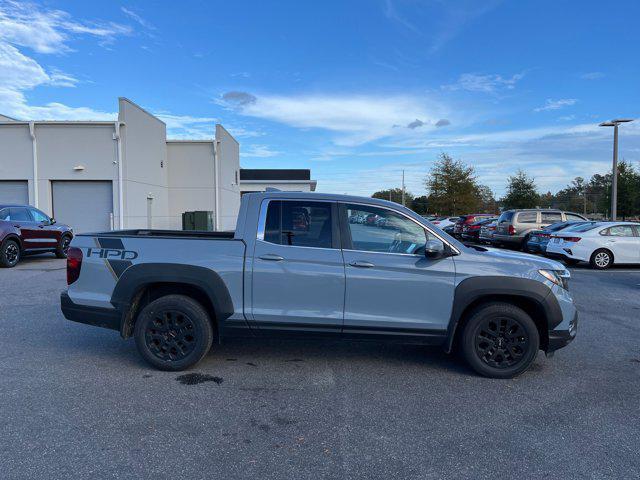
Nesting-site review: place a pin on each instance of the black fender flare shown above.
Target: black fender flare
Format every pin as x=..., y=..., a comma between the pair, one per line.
x=136, y=277
x=474, y=289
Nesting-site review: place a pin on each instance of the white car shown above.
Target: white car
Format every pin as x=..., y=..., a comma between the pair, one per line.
x=602, y=244
x=442, y=222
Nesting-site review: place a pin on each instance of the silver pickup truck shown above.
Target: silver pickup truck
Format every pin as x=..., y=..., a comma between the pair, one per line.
x=318, y=265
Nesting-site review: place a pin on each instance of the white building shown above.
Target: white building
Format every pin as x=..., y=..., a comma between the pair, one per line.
x=122, y=174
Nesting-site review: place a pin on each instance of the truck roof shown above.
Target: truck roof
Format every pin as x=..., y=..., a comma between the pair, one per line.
x=335, y=197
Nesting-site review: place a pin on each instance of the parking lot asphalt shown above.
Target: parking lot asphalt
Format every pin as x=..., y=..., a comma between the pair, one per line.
x=77, y=401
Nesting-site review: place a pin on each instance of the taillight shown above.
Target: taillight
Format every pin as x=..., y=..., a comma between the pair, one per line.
x=543, y=235
x=474, y=227
x=436, y=222
x=74, y=262
x=512, y=230
x=491, y=228
x=572, y=239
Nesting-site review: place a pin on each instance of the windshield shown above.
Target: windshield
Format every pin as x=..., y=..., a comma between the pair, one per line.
x=582, y=227
x=505, y=217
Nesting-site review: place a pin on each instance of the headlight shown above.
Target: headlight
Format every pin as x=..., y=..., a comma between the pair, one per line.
x=559, y=277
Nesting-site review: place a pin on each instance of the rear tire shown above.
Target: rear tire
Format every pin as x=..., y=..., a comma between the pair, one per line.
x=63, y=246
x=9, y=253
x=500, y=340
x=173, y=332
x=601, y=259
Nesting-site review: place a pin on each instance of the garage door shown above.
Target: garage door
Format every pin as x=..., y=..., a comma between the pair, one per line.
x=85, y=206
x=14, y=192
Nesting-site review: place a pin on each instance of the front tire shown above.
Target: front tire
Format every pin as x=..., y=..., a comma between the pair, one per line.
x=601, y=259
x=9, y=253
x=173, y=333
x=500, y=340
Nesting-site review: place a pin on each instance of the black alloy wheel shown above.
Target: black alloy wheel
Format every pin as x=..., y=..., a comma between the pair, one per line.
x=501, y=342
x=10, y=254
x=170, y=335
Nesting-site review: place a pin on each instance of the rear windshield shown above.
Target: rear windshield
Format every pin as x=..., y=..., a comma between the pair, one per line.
x=506, y=217
x=582, y=228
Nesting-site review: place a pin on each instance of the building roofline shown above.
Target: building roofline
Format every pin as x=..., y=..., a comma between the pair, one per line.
x=178, y=140
x=64, y=122
x=125, y=99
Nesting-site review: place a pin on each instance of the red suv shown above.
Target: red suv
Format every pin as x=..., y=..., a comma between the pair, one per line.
x=25, y=230
x=468, y=220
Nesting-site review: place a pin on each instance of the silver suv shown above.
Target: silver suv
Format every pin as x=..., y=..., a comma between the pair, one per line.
x=514, y=226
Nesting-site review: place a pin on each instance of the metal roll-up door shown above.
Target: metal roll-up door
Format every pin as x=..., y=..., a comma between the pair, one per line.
x=86, y=206
x=14, y=191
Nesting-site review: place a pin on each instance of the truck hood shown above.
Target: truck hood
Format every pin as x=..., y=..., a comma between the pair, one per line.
x=519, y=257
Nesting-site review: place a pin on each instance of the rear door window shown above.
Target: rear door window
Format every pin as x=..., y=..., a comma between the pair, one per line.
x=20, y=215
x=299, y=224
x=572, y=217
x=4, y=214
x=620, y=231
x=528, y=217
x=550, y=217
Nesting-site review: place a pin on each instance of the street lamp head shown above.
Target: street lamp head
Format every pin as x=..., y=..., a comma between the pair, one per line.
x=622, y=120
x=607, y=124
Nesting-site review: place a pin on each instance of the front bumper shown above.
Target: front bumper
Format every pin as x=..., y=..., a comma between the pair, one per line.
x=100, y=317
x=562, y=338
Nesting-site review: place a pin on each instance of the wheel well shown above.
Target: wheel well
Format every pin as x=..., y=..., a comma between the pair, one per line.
x=530, y=306
x=15, y=238
x=152, y=291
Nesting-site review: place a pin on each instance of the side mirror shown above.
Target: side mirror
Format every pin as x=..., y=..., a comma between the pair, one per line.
x=52, y=221
x=434, y=249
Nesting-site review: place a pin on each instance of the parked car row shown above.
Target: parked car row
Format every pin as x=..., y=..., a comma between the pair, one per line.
x=554, y=233
x=25, y=230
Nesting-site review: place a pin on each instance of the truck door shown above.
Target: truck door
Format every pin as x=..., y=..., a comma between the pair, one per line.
x=392, y=288
x=298, y=277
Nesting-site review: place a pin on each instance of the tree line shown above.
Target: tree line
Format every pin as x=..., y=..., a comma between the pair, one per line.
x=453, y=188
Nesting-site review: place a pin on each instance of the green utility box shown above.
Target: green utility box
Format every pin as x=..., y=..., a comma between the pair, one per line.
x=202, y=221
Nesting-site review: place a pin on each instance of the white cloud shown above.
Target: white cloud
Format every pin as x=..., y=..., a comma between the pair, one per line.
x=487, y=83
x=357, y=118
x=137, y=18
x=556, y=104
x=45, y=31
x=259, y=151
x=592, y=75
x=187, y=126
x=48, y=31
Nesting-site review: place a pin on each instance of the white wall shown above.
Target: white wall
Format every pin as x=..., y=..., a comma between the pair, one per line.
x=228, y=153
x=145, y=167
x=16, y=160
x=191, y=178
x=63, y=147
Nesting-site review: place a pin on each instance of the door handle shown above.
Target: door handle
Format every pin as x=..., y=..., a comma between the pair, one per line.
x=271, y=257
x=18, y=226
x=361, y=264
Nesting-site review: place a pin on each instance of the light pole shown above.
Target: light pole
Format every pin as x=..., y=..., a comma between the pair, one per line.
x=614, y=170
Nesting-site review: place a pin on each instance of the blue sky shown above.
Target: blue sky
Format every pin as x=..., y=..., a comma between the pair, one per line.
x=356, y=91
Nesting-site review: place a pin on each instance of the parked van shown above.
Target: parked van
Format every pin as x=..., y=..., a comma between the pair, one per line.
x=514, y=226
